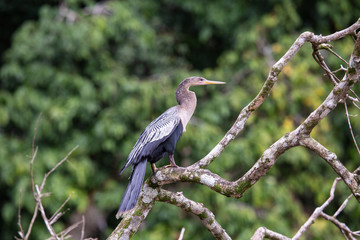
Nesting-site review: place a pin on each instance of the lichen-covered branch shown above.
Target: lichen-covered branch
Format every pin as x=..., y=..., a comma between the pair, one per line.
x=263, y=232
x=132, y=220
x=351, y=179
x=205, y=215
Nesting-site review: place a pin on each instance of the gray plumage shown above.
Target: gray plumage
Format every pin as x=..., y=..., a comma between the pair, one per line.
x=159, y=138
x=158, y=129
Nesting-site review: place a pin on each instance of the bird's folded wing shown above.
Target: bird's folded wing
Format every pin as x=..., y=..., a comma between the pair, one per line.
x=157, y=131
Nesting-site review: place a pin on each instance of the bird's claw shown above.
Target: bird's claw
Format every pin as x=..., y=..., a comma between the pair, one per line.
x=170, y=165
x=153, y=167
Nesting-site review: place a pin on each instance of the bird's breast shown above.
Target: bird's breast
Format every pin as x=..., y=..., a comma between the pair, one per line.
x=185, y=116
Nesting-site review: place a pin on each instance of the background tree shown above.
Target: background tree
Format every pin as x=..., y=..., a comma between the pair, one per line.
x=95, y=77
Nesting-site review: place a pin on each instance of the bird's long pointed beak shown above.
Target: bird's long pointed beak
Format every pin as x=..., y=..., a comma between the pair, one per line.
x=213, y=82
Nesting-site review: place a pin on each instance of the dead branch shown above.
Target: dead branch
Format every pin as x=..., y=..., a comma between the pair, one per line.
x=33, y=190
x=348, y=234
x=58, y=212
x=350, y=128
x=181, y=235
x=262, y=232
x=350, y=179
x=132, y=220
x=55, y=167
x=317, y=212
x=38, y=194
x=21, y=230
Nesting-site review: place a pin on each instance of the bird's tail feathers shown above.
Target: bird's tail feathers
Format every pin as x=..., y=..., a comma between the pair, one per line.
x=124, y=167
x=132, y=191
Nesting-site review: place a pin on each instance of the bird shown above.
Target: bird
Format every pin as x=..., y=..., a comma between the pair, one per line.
x=158, y=139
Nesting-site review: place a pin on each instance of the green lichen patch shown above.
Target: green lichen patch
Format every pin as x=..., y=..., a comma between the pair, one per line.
x=203, y=215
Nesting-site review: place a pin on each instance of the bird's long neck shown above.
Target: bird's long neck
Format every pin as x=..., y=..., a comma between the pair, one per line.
x=187, y=103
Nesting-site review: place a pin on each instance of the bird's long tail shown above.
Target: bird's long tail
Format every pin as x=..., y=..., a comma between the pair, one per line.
x=132, y=191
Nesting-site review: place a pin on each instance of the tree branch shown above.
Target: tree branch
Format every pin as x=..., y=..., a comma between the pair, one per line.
x=198, y=209
x=263, y=232
x=317, y=212
x=133, y=219
x=350, y=179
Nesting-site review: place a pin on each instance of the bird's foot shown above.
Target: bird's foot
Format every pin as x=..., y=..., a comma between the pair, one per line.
x=170, y=165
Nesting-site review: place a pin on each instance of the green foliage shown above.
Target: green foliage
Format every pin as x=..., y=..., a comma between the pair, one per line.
x=98, y=81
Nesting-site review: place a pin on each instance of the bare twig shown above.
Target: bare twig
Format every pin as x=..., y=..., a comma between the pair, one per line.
x=350, y=128
x=343, y=205
x=56, y=166
x=317, y=212
x=262, y=232
x=328, y=48
x=82, y=228
x=345, y=230
x=34, y=195
x=21, y=232
x=32, y=159
x=34, y=134
x=43, y=214
x=181, y=236
x=320, y=60
x=65, y=233
x=58, y=214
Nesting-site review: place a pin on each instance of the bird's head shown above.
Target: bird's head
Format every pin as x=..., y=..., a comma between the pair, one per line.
x=197, y=81
x=184, y=95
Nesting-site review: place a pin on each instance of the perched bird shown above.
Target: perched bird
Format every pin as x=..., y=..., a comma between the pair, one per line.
x=160, y=137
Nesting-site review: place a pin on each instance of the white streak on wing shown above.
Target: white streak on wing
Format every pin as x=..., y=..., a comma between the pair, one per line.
x=160, y=128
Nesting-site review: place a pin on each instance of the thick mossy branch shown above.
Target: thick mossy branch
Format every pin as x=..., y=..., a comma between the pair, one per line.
x=132, y=220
